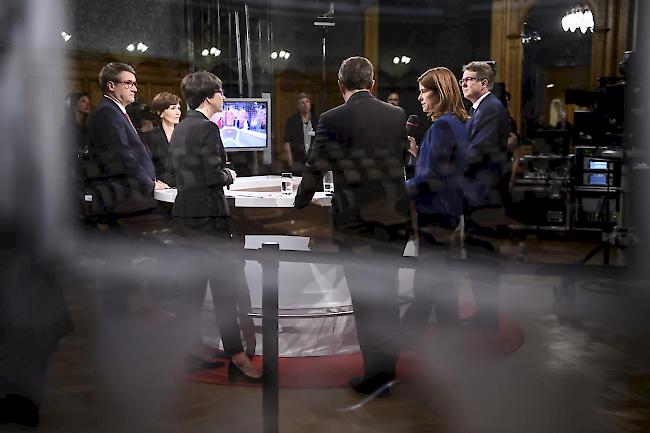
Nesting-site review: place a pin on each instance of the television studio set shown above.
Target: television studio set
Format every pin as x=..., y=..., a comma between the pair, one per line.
x=324, y=216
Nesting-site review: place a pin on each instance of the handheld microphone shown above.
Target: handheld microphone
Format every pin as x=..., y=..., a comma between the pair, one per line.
x=412, y=125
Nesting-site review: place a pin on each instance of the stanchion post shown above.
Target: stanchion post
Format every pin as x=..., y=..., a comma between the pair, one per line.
x=270, y=396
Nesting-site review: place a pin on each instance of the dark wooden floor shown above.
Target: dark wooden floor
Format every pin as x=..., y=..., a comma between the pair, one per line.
x=584, y=367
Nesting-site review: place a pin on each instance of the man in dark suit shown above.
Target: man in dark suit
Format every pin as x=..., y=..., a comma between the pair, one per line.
x=488, y=136
x=363, y=142
x=299, y=134
x=486, y=184
x=125, y=177
x=119, y=178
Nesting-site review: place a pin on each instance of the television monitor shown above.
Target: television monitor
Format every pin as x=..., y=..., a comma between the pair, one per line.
x=597, y=179
x=597, y=165
x=244, y=124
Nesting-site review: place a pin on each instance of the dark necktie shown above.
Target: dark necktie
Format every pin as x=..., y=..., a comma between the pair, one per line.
x=129, y=120
x=471, y=111
x=136, y=133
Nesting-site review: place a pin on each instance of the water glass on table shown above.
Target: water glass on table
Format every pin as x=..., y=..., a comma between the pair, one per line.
x=328, y=183
x=286, y=183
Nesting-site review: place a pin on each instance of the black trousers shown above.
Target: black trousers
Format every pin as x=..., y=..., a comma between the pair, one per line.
x=214, y=260
x=371, y=274
x=432, y=283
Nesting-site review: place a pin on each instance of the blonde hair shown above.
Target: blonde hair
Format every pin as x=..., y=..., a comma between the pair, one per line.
x=441, y=81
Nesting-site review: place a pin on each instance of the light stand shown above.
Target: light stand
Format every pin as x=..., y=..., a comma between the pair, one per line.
x=324, y=21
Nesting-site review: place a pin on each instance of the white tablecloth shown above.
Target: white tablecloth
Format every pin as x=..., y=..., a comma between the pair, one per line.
x=241, y=191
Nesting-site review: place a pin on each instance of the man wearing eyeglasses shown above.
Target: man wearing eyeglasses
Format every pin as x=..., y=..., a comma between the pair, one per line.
x=485, y=185
x=125, y=178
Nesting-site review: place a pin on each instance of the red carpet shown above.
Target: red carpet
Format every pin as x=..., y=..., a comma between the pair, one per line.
x=336, y=371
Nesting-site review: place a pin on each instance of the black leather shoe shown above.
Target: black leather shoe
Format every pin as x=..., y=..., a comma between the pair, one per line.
x=377, y=385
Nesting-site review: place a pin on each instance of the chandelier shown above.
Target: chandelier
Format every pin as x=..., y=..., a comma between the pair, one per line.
x=579, y=17
x=529, y=34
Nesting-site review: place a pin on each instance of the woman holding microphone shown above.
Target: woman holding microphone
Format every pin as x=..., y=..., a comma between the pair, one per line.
x=437, y=189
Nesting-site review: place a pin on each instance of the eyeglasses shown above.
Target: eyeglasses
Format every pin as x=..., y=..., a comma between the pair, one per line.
x=466, y=79
x=127, y=84
x=220, y=91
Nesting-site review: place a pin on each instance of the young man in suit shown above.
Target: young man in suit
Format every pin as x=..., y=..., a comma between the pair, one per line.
x=485, y=186
x=127, y=176
x=363, y=142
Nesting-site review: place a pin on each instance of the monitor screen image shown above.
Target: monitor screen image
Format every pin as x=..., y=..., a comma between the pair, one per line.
x=244, y=123
x=597, y=179
x=598, y=165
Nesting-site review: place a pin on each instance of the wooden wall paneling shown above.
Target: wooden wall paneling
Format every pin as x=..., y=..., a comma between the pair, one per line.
x=154, y=75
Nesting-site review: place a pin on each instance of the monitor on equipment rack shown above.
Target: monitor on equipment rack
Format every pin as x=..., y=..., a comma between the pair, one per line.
x=244, y=124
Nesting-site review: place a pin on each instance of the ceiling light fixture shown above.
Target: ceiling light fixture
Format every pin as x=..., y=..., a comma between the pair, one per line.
x=578, y=17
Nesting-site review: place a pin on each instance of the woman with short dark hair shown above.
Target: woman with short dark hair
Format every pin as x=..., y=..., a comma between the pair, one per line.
x=199, y=160
x=167, y=108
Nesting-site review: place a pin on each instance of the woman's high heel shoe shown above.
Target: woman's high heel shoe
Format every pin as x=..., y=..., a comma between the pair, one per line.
x=235, y=374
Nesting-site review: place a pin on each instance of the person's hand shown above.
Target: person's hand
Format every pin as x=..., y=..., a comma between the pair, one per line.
x=413, y=147
x=233, y=173
x=160, y=185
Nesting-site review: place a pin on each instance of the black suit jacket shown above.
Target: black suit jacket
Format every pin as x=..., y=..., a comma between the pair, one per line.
x=294, y=135
x=199, y=161
x=120, y=173
x=364, y=143
x=156, y=141
x=487, y=154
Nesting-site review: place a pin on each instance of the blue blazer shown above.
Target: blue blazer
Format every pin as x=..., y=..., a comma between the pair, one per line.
x=487, y=155
x=437, y=186
x=124, y=173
